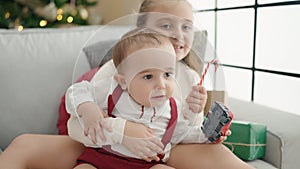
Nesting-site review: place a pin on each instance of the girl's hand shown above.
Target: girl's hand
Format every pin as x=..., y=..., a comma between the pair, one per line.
x=141, y=141
x=91, y=116
x=196, y=99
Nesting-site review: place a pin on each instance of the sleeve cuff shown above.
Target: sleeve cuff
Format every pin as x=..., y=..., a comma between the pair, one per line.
x=118, y=127
x=195, y=119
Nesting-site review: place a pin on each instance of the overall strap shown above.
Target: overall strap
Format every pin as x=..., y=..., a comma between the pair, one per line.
x=113, y=99
x=171, y=126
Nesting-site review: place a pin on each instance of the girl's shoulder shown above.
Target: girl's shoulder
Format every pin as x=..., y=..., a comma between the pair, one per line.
x=183, y=69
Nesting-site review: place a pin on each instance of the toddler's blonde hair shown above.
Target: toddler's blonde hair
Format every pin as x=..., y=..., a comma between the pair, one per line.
x=137, y=39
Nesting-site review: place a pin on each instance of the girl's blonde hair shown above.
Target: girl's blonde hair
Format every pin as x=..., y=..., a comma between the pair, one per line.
x=192, y=59
x=148, y=6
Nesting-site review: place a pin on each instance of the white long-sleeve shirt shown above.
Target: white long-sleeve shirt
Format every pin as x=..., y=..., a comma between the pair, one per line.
x=185, y=77
x=102, y=85
x=128, y=109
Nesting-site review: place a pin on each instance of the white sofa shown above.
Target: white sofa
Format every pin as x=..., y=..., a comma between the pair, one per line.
x=38, y=65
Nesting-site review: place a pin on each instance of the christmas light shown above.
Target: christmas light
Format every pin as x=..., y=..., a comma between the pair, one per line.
x=20, y=28
x=59, y=11
x=70, y=19
x=43, y=23
x=29, y=13
x=7, y=15
x=59, y=17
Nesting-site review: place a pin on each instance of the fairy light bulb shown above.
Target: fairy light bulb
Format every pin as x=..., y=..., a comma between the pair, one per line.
x=59, y=17
x=20, y=28
x=59, y=11
x=7, y=15
x=43, y=23
x=70, y=19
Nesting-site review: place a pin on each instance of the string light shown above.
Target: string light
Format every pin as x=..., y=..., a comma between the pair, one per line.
x=7, y=15
x=20, y=28
x=53, y=14
x=70, y=19
x=59, y=11
x=43, y=23
x=59, y=17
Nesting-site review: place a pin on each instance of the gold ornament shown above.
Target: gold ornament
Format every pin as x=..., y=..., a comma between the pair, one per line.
x=83, y=12
x=69, y=9
x=94, y=18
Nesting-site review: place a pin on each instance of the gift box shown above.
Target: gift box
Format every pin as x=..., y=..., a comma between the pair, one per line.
x=248, y=140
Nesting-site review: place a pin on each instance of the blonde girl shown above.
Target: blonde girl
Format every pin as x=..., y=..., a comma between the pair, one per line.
x=60, y=152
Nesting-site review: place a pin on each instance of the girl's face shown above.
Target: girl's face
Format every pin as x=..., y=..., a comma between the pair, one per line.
x=175, y=19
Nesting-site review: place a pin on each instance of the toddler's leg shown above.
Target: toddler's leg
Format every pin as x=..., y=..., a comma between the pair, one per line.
x=161, y=166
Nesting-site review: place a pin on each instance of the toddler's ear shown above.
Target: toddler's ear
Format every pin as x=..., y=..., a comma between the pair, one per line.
x=121, y=80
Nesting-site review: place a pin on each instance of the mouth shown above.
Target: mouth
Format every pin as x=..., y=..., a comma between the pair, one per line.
x=157, y=100
x=158, y=97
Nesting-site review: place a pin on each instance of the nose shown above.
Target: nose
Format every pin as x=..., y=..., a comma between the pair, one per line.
x=177, y=33
x=161, y=83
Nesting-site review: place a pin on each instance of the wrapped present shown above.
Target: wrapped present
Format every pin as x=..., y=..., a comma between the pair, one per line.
x=248, y=140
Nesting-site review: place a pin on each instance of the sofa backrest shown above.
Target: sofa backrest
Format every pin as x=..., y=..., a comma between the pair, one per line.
x=36, y=68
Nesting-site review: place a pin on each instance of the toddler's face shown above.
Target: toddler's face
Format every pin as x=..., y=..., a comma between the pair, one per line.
x=152, y=87
x=150, y=75
x=174, y=19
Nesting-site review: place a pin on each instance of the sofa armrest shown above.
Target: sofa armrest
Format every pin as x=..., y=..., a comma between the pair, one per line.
x=283, y=131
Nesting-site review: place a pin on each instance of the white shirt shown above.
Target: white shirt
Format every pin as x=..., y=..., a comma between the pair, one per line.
x=130, y=110
x=185, y=77
x=187, y=130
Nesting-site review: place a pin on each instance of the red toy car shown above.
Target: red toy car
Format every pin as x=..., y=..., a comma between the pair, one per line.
x=217, y=122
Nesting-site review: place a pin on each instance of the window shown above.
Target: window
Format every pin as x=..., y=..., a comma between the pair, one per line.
x=257, y=42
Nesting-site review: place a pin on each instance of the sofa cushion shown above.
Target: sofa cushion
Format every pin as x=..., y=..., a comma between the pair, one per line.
x=99, y=53
x=36, y=68
x=260, y=164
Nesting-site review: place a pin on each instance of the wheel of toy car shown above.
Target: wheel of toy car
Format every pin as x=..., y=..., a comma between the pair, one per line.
x=224, y=120
x=216, y=136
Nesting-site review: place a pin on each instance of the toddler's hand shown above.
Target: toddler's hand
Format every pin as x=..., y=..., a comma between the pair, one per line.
x=141, y=141
x=91, y=117
x=196, y=99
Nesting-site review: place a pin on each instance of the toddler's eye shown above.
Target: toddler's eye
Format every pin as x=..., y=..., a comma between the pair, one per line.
x=168, y=74
x=147, y=77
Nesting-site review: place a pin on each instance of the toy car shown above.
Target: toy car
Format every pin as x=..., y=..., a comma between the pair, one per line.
x=217, y=122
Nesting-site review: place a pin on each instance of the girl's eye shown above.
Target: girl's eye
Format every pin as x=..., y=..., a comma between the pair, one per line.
x=187, y=27
x=147, y=77
x=165, y=26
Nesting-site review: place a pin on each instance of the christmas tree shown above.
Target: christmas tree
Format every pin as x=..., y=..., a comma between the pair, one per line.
x=21, y=14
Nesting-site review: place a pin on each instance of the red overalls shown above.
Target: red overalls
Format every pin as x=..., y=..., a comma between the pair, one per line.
x=105, y=158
